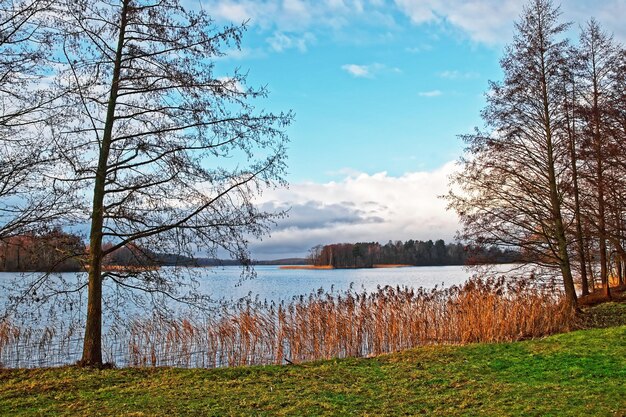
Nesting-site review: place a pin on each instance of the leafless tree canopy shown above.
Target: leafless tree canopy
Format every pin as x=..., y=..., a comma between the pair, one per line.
x=147, y=97
x=162, y=151
x=29, y=198
x=538, y=176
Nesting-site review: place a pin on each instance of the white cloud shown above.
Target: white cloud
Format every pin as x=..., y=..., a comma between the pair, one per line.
x=237, y=54
x=357, y=70
x=432, y=93
x=491, y=21
x=484, y=21
x=419, y=11
x=235, y=12
x=280, y=41
x=361, y=207
x=420, y=48
x=488, y=21
x=458, y=75
x=368, y=71
x=610, y=14
x=288, y=15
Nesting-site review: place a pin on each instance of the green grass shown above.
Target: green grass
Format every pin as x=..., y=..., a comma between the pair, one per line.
x=581, y=373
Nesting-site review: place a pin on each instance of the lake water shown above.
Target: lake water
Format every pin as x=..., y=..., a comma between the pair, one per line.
x=275, y=284
x=65, y=314
x=271, y=283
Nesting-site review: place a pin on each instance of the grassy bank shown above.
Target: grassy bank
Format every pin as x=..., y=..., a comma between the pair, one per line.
x=575, y=374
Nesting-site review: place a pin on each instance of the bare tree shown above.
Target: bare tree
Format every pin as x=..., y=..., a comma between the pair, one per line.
x=597, y=61
x=617, y=168
x=169, y=149
x=571, y=118
x=29, y=199
x=512, y=185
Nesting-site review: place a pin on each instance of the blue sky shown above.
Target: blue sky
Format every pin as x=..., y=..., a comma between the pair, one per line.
x=369, y=96
x=380, y=89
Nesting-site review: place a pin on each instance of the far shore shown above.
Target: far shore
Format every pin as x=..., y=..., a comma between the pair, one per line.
x=306, y=267
x=326, y=267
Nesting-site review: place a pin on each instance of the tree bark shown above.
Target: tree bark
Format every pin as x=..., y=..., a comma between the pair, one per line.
x=604, y=276
x=579, y=229
x=555, y=202
x=92, y=346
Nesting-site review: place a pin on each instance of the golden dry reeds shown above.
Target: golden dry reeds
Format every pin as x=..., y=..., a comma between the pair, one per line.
x=24, y=346
x=324, y=326
x=353, y=325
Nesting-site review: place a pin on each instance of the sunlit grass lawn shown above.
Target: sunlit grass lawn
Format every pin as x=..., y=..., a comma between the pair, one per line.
x=581, y=373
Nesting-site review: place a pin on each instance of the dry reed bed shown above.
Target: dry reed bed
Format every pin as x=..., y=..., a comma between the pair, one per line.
x=322, y=326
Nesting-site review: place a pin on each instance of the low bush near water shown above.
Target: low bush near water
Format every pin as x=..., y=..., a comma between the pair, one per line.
x=320, y=326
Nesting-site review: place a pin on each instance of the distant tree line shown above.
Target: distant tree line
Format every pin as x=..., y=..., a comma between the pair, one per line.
x=411, y=252
x=59, y=251
x=51, y=251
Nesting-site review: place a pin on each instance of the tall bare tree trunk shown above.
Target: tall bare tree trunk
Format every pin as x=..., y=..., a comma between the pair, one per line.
x=604, y=276
x=590, y=276
x=564, y=262
x=620, y=261
x=579, y=229
x=555, y=201
x=92, y=347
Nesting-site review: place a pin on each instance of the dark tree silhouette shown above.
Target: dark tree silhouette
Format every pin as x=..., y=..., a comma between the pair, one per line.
x=411, y=252
x=572, y=120
x=30, y=200
x=169, y=151
x=595, y=65
x=512, y=184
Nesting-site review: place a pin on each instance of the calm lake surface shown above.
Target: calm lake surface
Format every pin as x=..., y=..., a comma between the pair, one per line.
x=274, y=284
x=65, y=315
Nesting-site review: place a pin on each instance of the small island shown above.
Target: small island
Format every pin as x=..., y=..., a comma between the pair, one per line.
x=403, y=254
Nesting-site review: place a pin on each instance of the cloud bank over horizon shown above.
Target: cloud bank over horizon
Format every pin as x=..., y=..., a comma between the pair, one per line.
x=381, y=89
x=361, y=207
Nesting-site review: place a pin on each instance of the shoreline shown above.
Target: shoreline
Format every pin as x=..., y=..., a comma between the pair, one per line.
x=328, y=267
x=313, y=267
x=373, y=386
